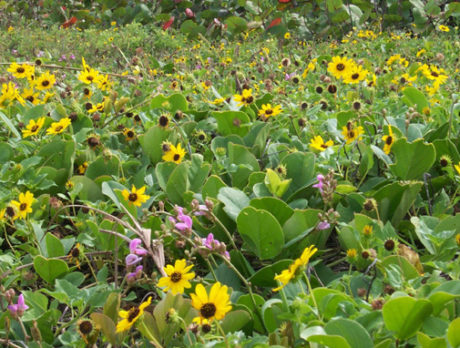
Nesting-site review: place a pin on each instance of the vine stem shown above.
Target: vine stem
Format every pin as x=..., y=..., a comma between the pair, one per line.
x=227, y=232
x=310, y=292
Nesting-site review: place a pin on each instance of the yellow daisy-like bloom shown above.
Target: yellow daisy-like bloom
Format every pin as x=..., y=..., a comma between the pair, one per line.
x=214, y=306
x=388, y=140
x=99, y=107
x=82, y=168
x=11, y=93
x=287, y=36
x=45, y=81
x=24, y=206
x=457, y=167
x=355, y=75
x=318, y=143
x=245, y=98
x=129, y=134
x=457, y=239
x=340, y=66
x=59, y=127
x=177, y=278
x=131, y=316
x=310, y=67
x=33, y=127
x=103, y=82
x=367, y=230
x=444, y=28
x=217, y=101
x=30, y=95
x=173, y=154
x=267, y=111
x=293, y=270
x=350, y=133
x=351, y=253
x=21, y=71
x=88, y=76
x=136, y=196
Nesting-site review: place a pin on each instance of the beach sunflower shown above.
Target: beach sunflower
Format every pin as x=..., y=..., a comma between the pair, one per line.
x=82, y=168
x=136, y=196
x=30, y=95
x=267, y=111
x=245, y=98
x=444, y=28
x=24, y=205
x=173, y=154
x=103, y=82
x=33, y=127
x=351, y=133
x=59, y=127
x=388, y=140
x=88, y=76
x=214, y=306
x=97, y=107
x=45, y=81
x=129, y=134
x=21, y=71
x=286, y=276
x=303, y=260
x=318, y=143
x=457, y=167
x=177, y=278
x=355, y=75
x=131, y=316
x=340, y=66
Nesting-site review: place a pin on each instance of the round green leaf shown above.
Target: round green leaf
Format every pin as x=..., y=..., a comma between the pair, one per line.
x=49, y=269
x=353, y=332
x=453, y=333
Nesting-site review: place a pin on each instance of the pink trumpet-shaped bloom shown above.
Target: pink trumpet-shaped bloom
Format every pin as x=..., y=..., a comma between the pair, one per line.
x=135, y=249
x=320, y=183
x=132, y=259
x=18, y=309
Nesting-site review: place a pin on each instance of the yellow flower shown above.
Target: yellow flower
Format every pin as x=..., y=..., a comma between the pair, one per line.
x=318, y=143
x=420, y=52
x=217, y=101
x=214, y=306
x=287, y=36
x=355, y=75
x=136, y=196
x=88, y=76
x=288, y=274
x=388, y=140
x=245, y=98
x=173, y=154
x=177, y=278
x=350, y=133
x=340, y=66
x=131, y=316
x=268, y=111
x=11, y=93
x=444, y=28
x=45, y=81
x=129, y=134
x=30, y=95
x=351, y=253
x=103, y=82
x=97, y=107
x=457, y=167
x=10, y=29
x=367, y=230
x=33, y=127
x=58, y=127
x=21, y=71
x=24, y=205
x=82, y=168
x=310, y=67
x=457, y=239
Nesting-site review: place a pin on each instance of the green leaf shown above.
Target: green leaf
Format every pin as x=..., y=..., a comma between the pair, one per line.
x=232, y=122
x=405, y=315
x=235, y=320
x=151, y=142
x=265, y=276
x=261, y=231
x=443, y=294
x=300, y=224
x=453, y=333
x=236, y=24
x=394, y=200
x=300, y=168
x=353, y=332
x=53, y=245
x=9, y=125
x=275, y=185
x=412, y=96
x=245, y=161
x=278, y=208
x=198, y=172
x=89, y=190
x=6, y=151
x=412, y=159
x=234, y=201
x=112, y=306
x=178, y=184
x=107, y=326
x=426, y=342
x=212, y=186
x=103, y=166
x=49, y=269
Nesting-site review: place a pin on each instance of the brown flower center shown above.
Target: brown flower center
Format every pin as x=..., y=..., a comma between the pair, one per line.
x=45, y=83
x=340, y=67
x=23, y=206
x=130, y=134
x=132, y=197
x=85, y=327
x=90, y=78
x=389, y=140
x=30, y=98
x=58, y=128
x=176, y=277
x=355, y=76
x=434, y=73
x=208, y=310
x=20, y=70
x=268, y=112
x=176, y=157
x=133, y=313
x=10, y=212
x=351, y=134
x=34, y=128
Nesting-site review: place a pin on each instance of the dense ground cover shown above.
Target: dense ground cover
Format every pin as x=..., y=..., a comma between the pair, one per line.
x=250, y=192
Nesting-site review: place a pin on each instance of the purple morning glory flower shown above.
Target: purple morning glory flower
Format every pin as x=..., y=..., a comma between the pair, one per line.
x=18, y=309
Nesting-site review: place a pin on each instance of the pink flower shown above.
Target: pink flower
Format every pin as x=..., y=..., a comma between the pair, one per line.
x=135, y=275
x=323, y=225
x=18, y=309
x=202, y=210
x=189, y=13
x=132, y=259
x=134, y=247
x=320, y=183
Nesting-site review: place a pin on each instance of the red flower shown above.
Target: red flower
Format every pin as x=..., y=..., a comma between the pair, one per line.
x=168, y=23
x=69, y=22
x=284, y=1
x=274, y=22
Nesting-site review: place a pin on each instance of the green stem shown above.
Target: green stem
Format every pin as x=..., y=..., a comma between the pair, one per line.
x=310, y=291
x=227, y=232
x=223, y=334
